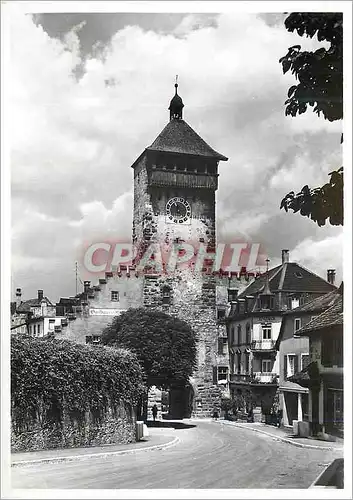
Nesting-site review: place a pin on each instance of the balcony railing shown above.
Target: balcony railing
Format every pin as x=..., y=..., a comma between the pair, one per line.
x=240, y=377
x=262, y=345
x=265, y=377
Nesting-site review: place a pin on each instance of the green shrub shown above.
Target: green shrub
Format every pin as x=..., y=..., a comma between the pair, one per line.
x=57, y=381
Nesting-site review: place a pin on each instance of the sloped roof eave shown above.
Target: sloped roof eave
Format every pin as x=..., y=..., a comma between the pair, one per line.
x=218, y=156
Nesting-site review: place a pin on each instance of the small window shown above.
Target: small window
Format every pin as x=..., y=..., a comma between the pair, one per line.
x=239, y=335
x=297, y=324
x=266, y=366
x=221, y=313
x=266, y=331
x=291, y=365
x=297, y=274
x=114, y=296
x=301, y=300
x=232, y=294
x=34, y=329
x=305, y=360
x=166, y=295
x=96, y=339
x=247, y=362
x=222, y=373
x=38, y=329
x=222, y=345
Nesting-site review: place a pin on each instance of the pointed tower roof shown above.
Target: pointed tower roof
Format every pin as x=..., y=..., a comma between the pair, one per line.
x=178, y=137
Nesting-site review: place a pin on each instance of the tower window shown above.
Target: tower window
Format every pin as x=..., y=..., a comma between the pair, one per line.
x=166, y=295
x=114, y=296
x=221, y=313
x=232, y=294
x=222, y=373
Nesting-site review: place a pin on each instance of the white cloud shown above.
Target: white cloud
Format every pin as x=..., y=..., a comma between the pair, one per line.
x=319, y=256
x=73, y=141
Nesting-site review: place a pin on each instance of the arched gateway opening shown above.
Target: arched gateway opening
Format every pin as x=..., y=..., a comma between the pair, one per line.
x=181, y=401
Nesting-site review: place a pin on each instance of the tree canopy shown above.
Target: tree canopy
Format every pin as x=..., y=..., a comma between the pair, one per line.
x=164, y=344
x=320, y=85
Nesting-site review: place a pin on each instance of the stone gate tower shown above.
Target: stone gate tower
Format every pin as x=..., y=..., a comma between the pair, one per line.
x=175, y=182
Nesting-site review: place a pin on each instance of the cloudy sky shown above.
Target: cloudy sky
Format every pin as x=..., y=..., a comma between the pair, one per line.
x=90, y=91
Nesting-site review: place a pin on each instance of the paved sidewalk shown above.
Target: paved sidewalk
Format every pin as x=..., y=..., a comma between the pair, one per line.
x=158, y=440
x=286, y=435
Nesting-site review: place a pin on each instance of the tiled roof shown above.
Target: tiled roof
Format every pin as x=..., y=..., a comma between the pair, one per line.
x=333, y=316
x=27, y=304
x=68, y=301
x=289, y=277
x=178, y=137
x=318, y=304
x=259, y=283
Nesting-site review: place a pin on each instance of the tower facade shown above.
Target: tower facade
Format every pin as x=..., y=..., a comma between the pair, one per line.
x=175, y=183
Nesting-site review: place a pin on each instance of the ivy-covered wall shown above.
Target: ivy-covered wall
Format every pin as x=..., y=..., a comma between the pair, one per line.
x=65, y=394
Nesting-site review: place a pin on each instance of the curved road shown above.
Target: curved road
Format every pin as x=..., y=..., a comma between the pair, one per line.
x=209, y=455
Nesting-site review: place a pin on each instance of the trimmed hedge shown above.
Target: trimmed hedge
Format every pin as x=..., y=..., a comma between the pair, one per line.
x=59, y=386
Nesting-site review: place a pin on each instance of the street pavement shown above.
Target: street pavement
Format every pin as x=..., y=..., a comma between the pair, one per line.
x=208, y=455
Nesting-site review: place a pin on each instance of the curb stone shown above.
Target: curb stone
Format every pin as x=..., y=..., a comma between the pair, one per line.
x=72, y=458
x=285, y=440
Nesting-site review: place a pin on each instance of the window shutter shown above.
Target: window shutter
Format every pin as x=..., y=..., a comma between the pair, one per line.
x=215, y=374
x=296, y=364
x=285, y=367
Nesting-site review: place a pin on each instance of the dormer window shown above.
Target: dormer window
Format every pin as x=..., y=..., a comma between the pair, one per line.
x=297, y=274
x=266, y=302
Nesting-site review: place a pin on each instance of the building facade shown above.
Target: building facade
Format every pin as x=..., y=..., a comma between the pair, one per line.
x=324, y=374
x=33, y=317
x=293, y=352
x=254, y=324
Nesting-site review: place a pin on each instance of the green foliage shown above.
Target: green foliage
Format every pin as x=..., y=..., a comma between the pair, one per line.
x=321, y=203
x=164, y=344
x=320, y=73
x=320, y=76
x=56, y=379
x=228, y=405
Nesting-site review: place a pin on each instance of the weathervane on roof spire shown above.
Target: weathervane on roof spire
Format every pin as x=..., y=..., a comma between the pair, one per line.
x=176, y=104
x=267, y=290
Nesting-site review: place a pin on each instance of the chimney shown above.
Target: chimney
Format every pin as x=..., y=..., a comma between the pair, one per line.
x=331, y=276
x=285, y=256
x=18, y=296
x=86, y=286
x=40, y=295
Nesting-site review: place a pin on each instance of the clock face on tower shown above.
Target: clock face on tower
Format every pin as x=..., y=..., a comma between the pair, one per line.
x=178, y=211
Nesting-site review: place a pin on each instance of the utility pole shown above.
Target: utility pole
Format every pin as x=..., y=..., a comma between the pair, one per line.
x=76, y=277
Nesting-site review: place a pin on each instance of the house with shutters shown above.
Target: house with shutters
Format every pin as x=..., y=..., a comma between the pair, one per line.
x=35, y=317
x=293, y=354
x=323, y=377
x=254, y=324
